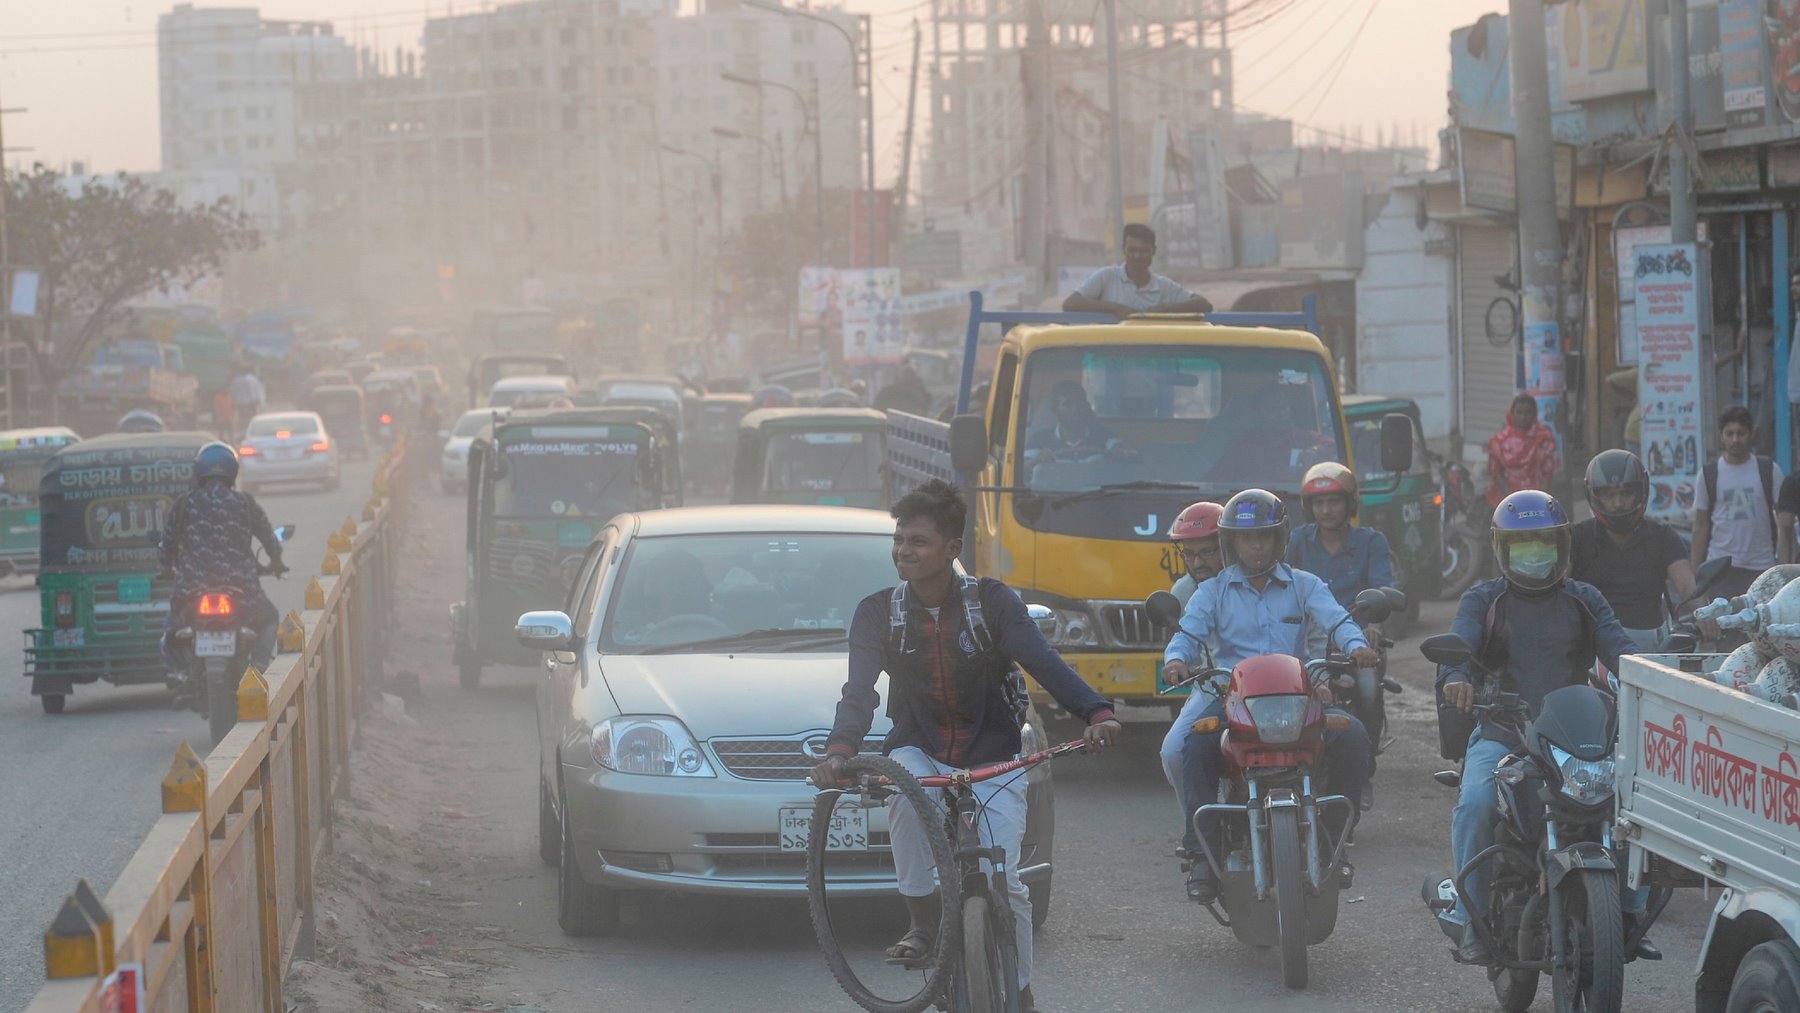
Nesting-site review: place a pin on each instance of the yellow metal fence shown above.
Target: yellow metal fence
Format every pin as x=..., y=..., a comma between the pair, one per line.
x=217, y=901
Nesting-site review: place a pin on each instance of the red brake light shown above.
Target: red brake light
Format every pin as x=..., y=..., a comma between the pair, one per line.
x=282, y=434
x=386, y=419
x=215, y=604
x=65, y=609
x=246, y=451
x=320, y=446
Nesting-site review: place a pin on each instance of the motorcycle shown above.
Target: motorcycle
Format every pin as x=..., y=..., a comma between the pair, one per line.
x=1279, y=867
x=1554, y=904
x=1465, y=549
x=211, y=648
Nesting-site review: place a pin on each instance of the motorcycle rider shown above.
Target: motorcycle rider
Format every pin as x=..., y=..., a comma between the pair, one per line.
x=1256, y=605
x=948, y=644
x=140, y=420
x=1628, y=558
x=1347, y=558
x=1540, y=630
x=1195, y=536
x=206, y=545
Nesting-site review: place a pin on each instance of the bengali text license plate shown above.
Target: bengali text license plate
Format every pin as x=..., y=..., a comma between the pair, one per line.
x=214, y=644
x=849, y=828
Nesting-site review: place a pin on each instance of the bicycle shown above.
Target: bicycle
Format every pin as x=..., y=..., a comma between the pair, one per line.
x=976, y=965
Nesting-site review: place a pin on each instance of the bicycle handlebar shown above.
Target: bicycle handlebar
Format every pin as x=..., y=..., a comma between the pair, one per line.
x=972, y=776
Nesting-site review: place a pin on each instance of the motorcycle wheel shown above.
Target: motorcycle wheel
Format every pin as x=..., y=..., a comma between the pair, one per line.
x=1462, y=561
x=1290, y=893
x=1592, y=978
x=221, y=704
x=1371, y=705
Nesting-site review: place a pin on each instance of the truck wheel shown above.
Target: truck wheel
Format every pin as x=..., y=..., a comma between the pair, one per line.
x=53, y=703
x=1768, y=981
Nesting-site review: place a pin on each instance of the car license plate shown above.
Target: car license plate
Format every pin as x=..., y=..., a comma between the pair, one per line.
x=215, y=644
x=284, y=453
x=849, y=828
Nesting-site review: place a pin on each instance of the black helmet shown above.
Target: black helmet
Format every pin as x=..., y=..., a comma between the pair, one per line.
x=1253, y=510
x=1611, y=469
x=216, y=460
x=140, y=420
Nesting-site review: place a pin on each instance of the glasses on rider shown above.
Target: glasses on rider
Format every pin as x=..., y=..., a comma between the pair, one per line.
x=1199, y=554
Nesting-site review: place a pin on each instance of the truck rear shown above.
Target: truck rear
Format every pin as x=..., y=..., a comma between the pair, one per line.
x=1709, y=790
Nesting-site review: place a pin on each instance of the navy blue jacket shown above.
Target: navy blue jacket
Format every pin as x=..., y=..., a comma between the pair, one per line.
x=992, y=733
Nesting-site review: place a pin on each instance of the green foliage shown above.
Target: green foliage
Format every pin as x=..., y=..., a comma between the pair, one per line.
x=103, y=245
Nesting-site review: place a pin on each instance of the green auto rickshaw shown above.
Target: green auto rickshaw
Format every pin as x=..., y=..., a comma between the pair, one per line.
x=541, y=483
x=711, y=439
x=22, y=456
x=823, y=456
x=1408, y=512
x=103, y=502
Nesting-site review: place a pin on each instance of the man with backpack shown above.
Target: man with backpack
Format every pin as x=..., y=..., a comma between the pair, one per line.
x=1734, y=508
x=949, y=645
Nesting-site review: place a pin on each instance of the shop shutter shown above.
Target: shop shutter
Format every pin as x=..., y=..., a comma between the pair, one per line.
x=1484, y=253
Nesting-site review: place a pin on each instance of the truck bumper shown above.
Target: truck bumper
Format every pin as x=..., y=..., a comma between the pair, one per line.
x=1120, y=676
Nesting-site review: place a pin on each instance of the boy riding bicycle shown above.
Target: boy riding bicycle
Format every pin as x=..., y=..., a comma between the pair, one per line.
x=949, y=644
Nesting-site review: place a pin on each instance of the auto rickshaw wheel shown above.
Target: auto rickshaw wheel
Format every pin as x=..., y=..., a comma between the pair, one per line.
x=53, y=702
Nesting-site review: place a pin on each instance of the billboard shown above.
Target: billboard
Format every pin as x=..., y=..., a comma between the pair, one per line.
x=873, y=334
x=1668, y=324
x=1605, y=48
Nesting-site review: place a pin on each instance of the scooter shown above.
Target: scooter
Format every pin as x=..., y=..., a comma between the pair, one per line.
x=1554, y=905
x=212, y=647
x=1279, y=867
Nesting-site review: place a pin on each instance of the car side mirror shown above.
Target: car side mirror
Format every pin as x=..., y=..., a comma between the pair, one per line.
x=1447, y=649
x=1164, y=609
x=968, y=443
x=1371, y=605
x=1043, y=617
x=1396, y=443
x=546, y=631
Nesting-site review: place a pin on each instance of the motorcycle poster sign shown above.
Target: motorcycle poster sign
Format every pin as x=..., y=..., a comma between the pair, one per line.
x=1668, y=325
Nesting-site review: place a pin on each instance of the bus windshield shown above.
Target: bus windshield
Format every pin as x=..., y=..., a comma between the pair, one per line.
x=1219, y=417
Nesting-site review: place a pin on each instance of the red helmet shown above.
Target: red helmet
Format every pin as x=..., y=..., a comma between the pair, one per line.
x=1198, y=521
x=1327, y=478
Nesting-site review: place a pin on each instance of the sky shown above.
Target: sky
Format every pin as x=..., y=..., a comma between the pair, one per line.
x=84, y=71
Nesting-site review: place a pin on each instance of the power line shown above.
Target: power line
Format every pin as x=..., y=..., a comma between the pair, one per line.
x=1343, y=61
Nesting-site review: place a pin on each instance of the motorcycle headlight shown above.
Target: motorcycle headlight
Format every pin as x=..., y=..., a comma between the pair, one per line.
x=1074, y=628
x=1585, y=781
x=1279, y=719
x=649, y=745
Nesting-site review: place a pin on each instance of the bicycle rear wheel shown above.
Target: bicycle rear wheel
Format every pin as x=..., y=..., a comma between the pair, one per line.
x=950, y=920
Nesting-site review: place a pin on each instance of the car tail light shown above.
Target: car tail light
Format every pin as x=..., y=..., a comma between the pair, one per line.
x=282, y=434
x=246, y=451
x=65, y=609
x=320, y=446
x=215, y=604
x=386, y=419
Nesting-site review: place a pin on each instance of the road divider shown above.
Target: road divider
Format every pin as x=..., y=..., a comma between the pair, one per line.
x=217, y=901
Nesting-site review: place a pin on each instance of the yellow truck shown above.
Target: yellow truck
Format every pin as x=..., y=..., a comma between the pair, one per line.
x=1095, y=434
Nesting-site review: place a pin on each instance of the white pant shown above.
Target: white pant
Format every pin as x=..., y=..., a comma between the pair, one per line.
x=1002, y=822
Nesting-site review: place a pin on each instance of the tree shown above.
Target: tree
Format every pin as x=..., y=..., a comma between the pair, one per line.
x=114, y=240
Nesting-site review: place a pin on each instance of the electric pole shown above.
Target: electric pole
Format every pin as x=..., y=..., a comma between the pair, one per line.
x=1682, y=223
x=1540, y=239
x=912, y=103
x=1034, y=223
x=1116, y=197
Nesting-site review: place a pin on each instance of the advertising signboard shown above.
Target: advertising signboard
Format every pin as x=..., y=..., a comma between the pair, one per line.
x=1668, y=325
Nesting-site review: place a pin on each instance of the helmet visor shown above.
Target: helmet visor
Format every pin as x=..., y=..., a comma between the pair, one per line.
x=1533, y=559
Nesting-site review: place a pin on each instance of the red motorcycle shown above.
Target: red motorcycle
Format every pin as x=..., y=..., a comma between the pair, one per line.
x=1278, y=867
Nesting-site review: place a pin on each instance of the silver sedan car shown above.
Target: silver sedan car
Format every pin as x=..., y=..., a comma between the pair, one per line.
x=287, y=447
x=693, y=679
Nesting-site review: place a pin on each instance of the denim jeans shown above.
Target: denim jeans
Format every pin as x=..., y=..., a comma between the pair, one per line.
x=1472, y=831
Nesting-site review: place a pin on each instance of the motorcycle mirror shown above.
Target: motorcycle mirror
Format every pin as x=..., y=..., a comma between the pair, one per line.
x=1709, y=572
x=1371, y=605
x=1397, y=601
x=1164, y=608
x=1446, y=649
x=1396, y=443
x=285, y=533
x=1678, y=643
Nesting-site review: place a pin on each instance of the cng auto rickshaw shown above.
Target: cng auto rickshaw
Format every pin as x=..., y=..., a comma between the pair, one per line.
x=22, y=456
x=667, y=463
x=541, y=483
x=346, y=418
x=823, y=456
x=711, y=440
x=1407, y=512
x=103, y=503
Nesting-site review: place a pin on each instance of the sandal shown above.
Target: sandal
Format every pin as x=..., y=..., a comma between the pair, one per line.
x=914, y=951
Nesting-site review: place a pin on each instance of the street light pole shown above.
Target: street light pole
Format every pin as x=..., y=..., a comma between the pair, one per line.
x=809, y=121
x=718, y=224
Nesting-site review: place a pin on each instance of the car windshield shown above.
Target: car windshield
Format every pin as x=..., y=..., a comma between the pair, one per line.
x=1220, y=417
x=567, y=471
x=684, y=589
x=471, y=423
x=270, y=425
x=822, y=462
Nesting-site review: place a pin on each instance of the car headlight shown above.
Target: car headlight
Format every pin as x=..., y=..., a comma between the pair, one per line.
x=1279, y=719
x=649, y=745
x=1074, y=627
x=1585, y=781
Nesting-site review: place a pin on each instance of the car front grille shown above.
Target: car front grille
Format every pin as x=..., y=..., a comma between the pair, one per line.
x=1130, y=626
x=773, y=759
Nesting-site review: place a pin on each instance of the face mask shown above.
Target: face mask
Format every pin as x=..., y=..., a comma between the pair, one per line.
x=1532, y=560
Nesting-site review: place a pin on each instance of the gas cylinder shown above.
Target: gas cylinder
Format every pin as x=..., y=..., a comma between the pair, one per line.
x=1778, y=679
x=1764, y=587
x=1742, y=667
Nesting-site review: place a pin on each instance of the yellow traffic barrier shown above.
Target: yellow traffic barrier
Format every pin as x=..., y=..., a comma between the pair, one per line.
x=349, y=528
x=331, y=567
x=338, y=542
x=79, y=942
x=314, y=598
x=290, y=638
x=184, y=786
x=253, y=696
x=368, y=513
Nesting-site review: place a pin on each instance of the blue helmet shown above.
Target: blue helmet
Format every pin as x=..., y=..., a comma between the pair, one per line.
x=1531, y=540
x=1253, y=510
x=216, y=460
x=140, y=420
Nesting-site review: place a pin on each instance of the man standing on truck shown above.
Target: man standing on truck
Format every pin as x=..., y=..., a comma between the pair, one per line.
x=1132, y=287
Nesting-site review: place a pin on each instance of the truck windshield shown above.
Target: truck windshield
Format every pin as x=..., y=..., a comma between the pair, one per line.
x=551, y=476
x=822, y=462
x=1224, y=418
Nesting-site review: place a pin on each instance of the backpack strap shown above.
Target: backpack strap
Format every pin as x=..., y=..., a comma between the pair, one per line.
x=1765, y=470
x=1709, y=472
x=897, y=619
x=972, y=614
